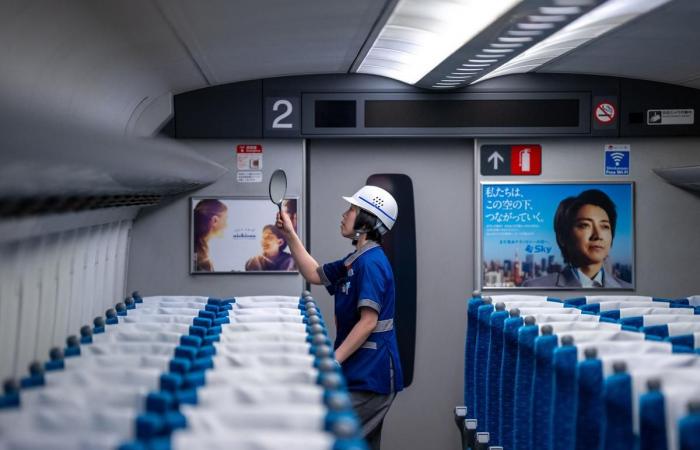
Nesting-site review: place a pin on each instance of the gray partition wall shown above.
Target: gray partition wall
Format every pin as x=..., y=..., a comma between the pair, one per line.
x=667, y=243
x=441, y=172
x=159, y=261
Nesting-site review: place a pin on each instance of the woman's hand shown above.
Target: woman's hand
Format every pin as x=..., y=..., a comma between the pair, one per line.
x=284, y=223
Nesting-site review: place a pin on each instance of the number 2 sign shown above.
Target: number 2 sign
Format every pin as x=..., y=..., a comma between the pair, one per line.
x=282, y=116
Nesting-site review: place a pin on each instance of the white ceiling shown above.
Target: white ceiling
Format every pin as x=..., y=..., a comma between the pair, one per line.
x=98, y=62
x=661, y=46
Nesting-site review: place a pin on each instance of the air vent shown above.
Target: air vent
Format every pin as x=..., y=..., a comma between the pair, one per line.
x=33, y=206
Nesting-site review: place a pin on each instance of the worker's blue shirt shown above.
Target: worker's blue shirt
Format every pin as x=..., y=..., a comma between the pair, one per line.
x=365, y=279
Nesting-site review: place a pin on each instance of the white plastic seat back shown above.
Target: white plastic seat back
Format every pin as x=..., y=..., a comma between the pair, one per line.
x=254, y=419
x=587, y=336
x=564, y=327
x=179, y=328
x=609, y=306
x=163, y=311
x=259, y=327
x=128, y=348
x=694, y=300
x=97, y=377
x=263, y=360
x=165, y=299
x=264, y=336
x=268, y=298
x=258, y=348
x=636, y=312
x=272, y=375
x=120, y=396
x=136, y=336
x=663, y=319
x=530, y=311
x=533, y=304
x=593, y=299
x=637, y=362
x=241, y=440
x=516, y=298
x=159, y=319
x=679, y=328
x=554, y=318
x=223, y=397
x=62, y=440
x=241, y=305
x=267, y=311
x=620, y=348
x=52, y=420
x=119, y=362
x=265, y=318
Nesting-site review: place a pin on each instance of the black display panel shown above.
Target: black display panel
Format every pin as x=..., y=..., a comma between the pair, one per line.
x=511, y=113
x=335, y=113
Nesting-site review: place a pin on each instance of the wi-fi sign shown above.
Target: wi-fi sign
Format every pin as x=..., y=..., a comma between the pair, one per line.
x=618, y=157
x=617, y=160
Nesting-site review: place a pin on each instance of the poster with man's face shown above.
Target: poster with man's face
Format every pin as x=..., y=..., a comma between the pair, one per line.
x=557, y=235
x=239, y=235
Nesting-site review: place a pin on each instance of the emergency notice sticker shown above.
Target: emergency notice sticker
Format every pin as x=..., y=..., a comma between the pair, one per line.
x=249, y=176
x=249, y=157
x=670, y=117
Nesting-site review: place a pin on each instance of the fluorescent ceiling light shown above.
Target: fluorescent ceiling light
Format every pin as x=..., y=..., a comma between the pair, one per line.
x=420, y=34
x=606, y=17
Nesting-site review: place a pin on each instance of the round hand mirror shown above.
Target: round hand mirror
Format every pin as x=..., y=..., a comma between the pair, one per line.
x=278, y=187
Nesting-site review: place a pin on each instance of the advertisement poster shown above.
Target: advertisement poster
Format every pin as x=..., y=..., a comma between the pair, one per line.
x=557, y=236
x=239, y=235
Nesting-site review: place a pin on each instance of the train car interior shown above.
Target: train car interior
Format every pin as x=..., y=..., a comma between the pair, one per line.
x=325, y=224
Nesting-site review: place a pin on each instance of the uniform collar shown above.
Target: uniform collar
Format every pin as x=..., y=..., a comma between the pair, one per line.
x=369, y=245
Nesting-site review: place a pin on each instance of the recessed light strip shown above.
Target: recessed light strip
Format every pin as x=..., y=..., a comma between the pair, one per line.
x=606, y=17
x=432, y=30
x=530, y=24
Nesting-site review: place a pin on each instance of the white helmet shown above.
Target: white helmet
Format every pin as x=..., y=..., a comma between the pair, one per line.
x=378, y=202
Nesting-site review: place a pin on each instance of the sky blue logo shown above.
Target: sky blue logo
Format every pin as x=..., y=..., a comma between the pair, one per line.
x=617, y=160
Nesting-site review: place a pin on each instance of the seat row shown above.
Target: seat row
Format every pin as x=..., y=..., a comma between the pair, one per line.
x=188, y=372
x=597, y=372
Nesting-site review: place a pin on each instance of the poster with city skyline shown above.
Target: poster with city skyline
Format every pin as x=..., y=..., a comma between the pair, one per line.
x=557, y=235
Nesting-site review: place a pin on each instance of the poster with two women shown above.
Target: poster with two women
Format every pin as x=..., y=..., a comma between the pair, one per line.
x=239, y=235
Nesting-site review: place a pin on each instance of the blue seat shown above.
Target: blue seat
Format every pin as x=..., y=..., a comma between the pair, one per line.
x=510, y=356
x=617, y=394
x=590, y=407
x=542, y=389
x=493, y=378
x=689, y=428
x=470, y=351
x=524, y=373
x=685, y=340
x=652, y=418
x=483, y=337
x=565, y=395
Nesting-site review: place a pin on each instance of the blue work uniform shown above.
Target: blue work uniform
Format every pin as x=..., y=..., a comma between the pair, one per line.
x=365, y=279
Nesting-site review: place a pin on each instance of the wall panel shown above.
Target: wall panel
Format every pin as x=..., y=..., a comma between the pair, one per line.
x=51, y=285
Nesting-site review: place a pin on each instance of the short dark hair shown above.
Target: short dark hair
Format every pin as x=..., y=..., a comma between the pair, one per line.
x=367, y=221
x=566, y=215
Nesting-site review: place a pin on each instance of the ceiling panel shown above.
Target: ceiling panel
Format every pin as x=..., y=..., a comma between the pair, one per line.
x=661, y=46
x=250, y=39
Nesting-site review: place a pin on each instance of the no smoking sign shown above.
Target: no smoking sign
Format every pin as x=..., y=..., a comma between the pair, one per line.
x=605, y=113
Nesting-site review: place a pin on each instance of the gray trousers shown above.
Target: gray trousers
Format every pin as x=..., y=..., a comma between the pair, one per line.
x=371, y=408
